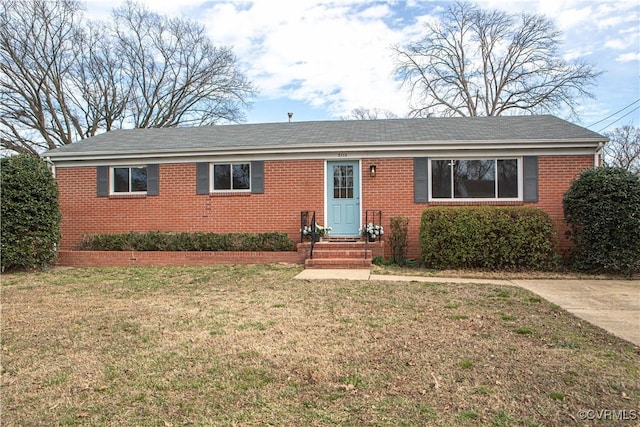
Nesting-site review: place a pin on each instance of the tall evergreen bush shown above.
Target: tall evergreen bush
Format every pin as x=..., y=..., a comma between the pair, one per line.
x=602, y=208
x=30, y=214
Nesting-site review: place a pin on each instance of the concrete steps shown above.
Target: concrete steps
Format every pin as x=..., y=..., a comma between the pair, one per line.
x=337, y=263
x=340, y=254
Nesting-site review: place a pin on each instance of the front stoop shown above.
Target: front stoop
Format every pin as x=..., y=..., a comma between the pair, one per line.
x=336, y=254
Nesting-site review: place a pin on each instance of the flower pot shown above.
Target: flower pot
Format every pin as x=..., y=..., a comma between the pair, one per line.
x=372, y=238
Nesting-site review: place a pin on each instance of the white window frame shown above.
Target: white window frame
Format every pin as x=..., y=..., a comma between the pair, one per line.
x=478, y=199
x=231, y=190
x=112, y=181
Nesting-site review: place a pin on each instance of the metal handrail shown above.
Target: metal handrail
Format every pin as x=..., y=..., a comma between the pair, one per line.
x=313, y=234
x=304, y=222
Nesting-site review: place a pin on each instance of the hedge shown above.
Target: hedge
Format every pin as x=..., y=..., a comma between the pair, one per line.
x=488, y=237
x=161, y=241
x=30, y=228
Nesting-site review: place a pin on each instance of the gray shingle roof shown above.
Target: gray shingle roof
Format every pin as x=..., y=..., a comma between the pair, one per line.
x=543, y=128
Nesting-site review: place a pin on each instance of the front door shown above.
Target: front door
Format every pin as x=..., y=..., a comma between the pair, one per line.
x=343, y=198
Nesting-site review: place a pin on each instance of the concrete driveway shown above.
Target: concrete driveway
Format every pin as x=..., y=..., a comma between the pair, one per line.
x=613, y=305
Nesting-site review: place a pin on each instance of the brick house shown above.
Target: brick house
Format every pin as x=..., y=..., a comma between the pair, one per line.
x=260, y=177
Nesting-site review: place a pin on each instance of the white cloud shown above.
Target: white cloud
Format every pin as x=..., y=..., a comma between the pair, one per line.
x=576, y=53
x=327, y=55
x=616, y=44
x=334, y=54
x=628, y=57
x=378, y=11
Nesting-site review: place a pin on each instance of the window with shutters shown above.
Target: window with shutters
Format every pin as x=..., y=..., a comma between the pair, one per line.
x=228, y=178
x=475, y=179
x=128, y=180
x=231, y=177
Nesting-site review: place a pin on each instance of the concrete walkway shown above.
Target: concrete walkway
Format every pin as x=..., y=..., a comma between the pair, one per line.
x=613, y=305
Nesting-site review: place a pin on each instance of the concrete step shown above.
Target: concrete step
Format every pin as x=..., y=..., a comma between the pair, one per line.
x=337, y=263
x=342, y=239
x=340, y=253
x=342, y=245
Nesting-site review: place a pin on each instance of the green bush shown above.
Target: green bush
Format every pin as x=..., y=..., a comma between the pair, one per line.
x=30, y=214
x=399, y=238
x=159, y=241
x=602, y=208
x=379, y=260
x=488, y=237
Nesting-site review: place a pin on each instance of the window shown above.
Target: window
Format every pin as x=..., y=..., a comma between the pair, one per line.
x=342, y=182
x=474, y=179
x=231, y=177
x=247, y=177
x=127, y=179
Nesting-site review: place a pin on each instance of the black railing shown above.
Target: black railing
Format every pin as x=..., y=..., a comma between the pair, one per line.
x=313, y=234
x=308, y=228
x=373, y=219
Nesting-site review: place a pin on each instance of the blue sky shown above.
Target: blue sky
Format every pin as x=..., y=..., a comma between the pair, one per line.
x=320, y=59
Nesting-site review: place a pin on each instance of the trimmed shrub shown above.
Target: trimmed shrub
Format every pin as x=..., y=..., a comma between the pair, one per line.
x=602, y=208
x=159, y=241
x=488, y=237
x=399, y=238
x=30, y=214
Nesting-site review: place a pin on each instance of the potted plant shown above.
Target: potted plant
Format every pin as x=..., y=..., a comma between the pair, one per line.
x=372, y=231
x=320, y=231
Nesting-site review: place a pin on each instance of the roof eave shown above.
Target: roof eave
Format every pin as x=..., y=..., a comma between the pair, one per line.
x=392, y=146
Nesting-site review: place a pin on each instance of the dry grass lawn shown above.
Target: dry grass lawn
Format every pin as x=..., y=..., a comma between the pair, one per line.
x=501, y=275
x=249, y=345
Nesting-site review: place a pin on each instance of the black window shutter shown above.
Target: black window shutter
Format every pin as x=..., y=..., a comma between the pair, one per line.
x=102, y=180
x=153, y=180
x=202, y=178
x=257, y=177
x=530, y=178
x=420, y=179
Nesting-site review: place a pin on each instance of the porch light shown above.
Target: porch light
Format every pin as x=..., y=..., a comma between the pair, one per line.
x=372, y=170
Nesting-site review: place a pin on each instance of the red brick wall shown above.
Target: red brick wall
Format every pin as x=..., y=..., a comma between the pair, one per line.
x=290, y=187
x=391, y=191
x=556, y=174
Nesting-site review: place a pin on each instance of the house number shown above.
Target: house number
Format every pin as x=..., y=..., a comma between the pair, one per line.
x=343, y=155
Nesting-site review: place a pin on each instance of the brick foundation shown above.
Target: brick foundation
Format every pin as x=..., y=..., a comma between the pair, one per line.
x=204, y=258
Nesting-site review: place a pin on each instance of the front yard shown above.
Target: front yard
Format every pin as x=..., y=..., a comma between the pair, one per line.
x=249, y=345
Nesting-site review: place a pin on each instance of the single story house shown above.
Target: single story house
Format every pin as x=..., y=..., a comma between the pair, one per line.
x=260, y=177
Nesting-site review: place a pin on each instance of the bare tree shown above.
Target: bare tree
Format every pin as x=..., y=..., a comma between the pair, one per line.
x=36, y=52
x=362, y=113
x=475, y=62
x=623, y=149
x=63, y=79
x=178, y=77
x=103, y=82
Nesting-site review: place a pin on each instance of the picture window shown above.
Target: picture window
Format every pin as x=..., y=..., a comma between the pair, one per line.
x=473, y=179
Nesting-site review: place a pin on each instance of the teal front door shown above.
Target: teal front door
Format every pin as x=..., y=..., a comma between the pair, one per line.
x=343, y=198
